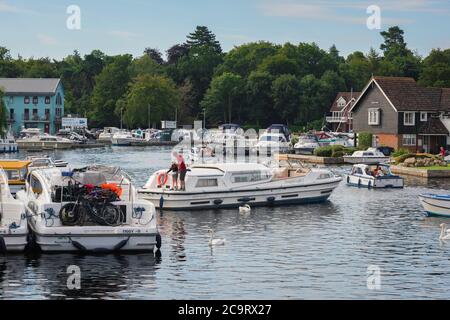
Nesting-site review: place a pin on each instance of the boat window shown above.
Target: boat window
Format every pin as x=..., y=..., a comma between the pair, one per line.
x=201, y=183
x=23, y=173
x=13, y=174
x=36, y=185
x=250, y=176
x=325, y=176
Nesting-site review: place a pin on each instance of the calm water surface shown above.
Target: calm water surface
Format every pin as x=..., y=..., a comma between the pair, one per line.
x=295, y=252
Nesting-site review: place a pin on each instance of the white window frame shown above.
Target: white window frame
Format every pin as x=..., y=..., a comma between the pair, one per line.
x=409, y=140
x=374, y=116
x=424, y=116
x=413, y=118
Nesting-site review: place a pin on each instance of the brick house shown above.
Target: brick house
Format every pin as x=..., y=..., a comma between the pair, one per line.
x=339, y=118
x=401, y=114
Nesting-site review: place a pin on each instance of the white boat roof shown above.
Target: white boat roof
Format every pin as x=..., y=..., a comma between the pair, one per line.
x=229, y=167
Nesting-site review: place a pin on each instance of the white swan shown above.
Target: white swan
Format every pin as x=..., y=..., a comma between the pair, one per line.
x=215, y=242
x=445, y=233
x=245, y=209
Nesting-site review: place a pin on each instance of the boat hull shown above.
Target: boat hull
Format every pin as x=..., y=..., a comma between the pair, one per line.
x=93, y=239
x=436, y=205
x=9, y=147
x=15, y=240
x=232, y=199
x=121, y=142
x=304, y=151
x=376, y=183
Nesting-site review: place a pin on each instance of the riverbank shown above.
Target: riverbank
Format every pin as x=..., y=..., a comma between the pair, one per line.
x=310, y=159
x=423, y=172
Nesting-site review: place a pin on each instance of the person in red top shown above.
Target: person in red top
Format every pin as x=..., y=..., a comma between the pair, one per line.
x=442, y=153
x=182, y=172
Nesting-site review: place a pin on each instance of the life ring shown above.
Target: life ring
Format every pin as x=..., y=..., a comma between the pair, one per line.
x=162, y=179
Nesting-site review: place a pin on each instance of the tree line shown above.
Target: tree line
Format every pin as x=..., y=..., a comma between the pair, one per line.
x=254, y=84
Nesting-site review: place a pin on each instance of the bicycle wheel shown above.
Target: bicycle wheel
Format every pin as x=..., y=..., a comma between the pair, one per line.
x=72, y=214
x=111, y=215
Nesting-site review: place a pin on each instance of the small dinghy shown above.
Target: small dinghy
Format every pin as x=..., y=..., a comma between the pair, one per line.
x=13, y=222
x=436, y=204
x=92, y=209
x=374, y=176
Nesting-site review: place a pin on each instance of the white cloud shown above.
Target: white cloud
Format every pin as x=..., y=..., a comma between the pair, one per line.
x=4, y=7
x=46, y=39
x=123, y=34
x=327, y=10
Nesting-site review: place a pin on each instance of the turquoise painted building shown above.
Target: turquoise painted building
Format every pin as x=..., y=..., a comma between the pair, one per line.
x=33, y=103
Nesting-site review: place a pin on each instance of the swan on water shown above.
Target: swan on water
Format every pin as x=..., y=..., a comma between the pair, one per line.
x=445, y=233
x=217, y=241
x=245, y=209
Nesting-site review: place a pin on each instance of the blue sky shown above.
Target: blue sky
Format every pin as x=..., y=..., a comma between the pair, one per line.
x=38, y=28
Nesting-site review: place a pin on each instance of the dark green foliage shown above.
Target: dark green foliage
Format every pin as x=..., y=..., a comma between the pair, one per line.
x=364, y=140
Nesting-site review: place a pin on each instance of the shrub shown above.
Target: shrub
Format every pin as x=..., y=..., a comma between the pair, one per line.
x=338, y=154
x=365, y=140
x=323, y=151
x=400, y=152
x=294, y=140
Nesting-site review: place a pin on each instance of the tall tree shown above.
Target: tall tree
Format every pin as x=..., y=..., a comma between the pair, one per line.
x=111, y=85
x=154, y=54
x=222, y=98
x=203, y=37
x=151, y=91
x=176, y=52
x=286, y=91
x=436, y=69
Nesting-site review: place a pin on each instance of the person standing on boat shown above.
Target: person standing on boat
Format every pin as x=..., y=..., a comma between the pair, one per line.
x=174, y=170
x=182, y=172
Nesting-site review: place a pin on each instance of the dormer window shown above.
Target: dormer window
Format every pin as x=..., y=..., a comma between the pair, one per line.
x=341, y=102
x=374, y=117
x=423, y=116
x=409, y=118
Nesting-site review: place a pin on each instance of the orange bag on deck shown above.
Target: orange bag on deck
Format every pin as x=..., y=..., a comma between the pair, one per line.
x=113, y=187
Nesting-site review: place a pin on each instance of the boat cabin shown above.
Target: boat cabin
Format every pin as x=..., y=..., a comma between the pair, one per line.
x=16, y=171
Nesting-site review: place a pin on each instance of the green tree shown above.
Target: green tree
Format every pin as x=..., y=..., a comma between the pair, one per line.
x=145, y=65
x=156, y=91
x=203, y=37
x=154, y=54
x=436, y=69
x=286, y=93
x=279, y=64
x=222, y=98
x=259, y=108
x=111, y=85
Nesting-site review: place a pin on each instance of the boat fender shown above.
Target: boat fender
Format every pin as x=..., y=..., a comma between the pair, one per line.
x=370, y=185
x=218, y=202
x=158, y=241
x=162, y=179
x=78, y=245
x=121, y=244
x=348, y=179
x=161, y=202
x=359, y=183
x=2, y=245
x=271, y=199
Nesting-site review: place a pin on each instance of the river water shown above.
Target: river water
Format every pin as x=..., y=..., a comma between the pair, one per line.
x=318, y=251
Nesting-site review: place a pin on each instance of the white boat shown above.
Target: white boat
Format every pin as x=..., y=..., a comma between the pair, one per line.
x=95, y=209
x=374, y=176
x=44, y=142
x=436, y=204
x=8, y=144
x=202, y=154
x=234, y=184
x=45, y=162
x=270, y=143
x=107, y=134
x=371, y=155
x=306, y=145
x=13, y=221
x=122, y=138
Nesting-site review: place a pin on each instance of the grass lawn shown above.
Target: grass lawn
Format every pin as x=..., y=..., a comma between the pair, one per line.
x=434, y=168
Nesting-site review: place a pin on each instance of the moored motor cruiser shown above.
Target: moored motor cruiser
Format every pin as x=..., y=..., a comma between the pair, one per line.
x=89, y=209
x=224, y=185
x=13, y=223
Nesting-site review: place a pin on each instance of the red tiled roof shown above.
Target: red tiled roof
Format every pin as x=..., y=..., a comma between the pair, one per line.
x=347, y=96
x=406, y=95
